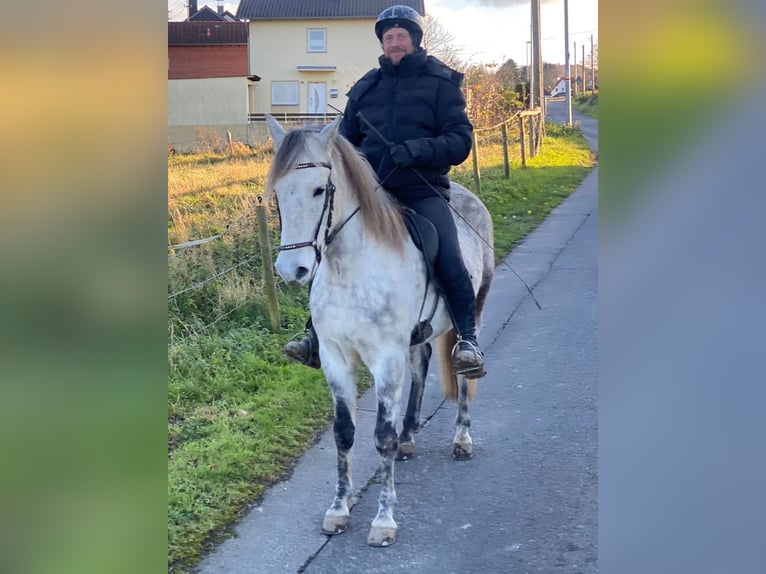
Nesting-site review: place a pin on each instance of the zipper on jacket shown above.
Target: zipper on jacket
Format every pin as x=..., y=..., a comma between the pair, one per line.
x=391, y=108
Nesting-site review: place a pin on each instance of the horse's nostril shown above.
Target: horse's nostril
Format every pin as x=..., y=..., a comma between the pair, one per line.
x=301, y=273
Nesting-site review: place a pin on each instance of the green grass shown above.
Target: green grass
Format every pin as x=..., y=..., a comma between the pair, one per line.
x=587, y=104
x=239, y=414
x=521, y=202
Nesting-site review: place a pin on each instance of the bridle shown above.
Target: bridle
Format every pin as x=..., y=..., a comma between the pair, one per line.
x=328, y=207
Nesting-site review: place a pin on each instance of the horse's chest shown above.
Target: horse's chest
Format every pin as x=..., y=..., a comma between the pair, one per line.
x=377, y=295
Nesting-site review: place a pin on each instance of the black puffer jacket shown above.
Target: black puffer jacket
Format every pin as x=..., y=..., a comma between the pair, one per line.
x=417, y=103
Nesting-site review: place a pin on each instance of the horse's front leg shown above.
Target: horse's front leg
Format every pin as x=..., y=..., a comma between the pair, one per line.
x=343, y=387
x=462, y=445
x=388, y=385
x=420, y=355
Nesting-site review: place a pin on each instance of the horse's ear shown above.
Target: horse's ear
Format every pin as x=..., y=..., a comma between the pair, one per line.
x=276, y=130
x=329, y=132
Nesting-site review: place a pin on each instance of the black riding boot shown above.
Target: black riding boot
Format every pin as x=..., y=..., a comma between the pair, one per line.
x=467, y=358
x=305, y=351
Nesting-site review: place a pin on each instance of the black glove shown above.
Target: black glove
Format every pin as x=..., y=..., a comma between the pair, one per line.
x=401, y=155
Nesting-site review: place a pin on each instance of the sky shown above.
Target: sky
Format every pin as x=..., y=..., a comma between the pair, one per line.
x=491, y=31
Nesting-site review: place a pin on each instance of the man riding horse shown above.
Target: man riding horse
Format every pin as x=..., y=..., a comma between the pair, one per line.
x=408, y=118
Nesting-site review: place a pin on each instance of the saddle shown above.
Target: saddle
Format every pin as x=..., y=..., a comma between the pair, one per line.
x=426, y=239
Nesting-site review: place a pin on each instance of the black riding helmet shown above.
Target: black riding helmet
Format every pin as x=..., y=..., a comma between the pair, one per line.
x=403, y=16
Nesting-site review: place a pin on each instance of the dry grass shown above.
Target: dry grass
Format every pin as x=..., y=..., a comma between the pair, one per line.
x=207, y=191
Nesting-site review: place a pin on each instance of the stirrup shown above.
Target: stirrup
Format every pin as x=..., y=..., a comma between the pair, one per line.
x=471, y=366
x=303, y=351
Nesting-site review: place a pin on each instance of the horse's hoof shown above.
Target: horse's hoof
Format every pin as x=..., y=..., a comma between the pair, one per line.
x=406, y=451
x=334, y=525
x=381, y=536
x=462, y=451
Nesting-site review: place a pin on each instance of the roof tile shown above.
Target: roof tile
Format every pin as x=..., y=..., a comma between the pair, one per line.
x=318, y=9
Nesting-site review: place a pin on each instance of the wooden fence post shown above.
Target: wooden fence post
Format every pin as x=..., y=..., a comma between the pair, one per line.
x=504, y=132
x=532, y=134
x=475, y=155
x=269, y=284
x=522, y=135
x=231, y=142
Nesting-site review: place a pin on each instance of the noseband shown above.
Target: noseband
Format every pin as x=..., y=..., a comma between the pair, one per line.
x=329, y=205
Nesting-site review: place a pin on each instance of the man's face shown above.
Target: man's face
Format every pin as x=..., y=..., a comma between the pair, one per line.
x=397, y=44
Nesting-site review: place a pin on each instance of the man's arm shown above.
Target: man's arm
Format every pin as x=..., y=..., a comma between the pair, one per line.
x=453, y=145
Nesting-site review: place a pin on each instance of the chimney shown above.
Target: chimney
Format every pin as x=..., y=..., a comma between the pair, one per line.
x=220, y=7
x=192, y=8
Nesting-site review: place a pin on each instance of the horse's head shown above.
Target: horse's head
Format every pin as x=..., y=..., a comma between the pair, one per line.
x=300, y=179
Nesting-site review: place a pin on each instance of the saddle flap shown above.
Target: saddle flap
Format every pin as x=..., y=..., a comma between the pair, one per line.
x=425, y=237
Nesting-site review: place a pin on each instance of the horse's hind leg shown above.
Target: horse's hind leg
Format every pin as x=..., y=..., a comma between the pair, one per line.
x=344, y=399
x=420, y=355
x=462, y=445
x=388, y=386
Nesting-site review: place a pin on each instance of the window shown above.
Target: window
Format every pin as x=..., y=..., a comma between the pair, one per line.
x=284, y=94
x=317, y=40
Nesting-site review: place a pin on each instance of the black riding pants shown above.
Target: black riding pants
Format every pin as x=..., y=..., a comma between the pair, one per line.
x=449, y=262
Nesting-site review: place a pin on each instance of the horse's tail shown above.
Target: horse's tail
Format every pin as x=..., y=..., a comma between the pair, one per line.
x=447, y=378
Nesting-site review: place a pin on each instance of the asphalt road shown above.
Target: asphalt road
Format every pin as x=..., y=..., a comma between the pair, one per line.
x=527, y=501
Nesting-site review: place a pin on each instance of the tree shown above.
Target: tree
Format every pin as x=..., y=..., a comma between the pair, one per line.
x=508, y=74
x=439, y=42
x=489, y=102
x=595, y=57
x=512, y=81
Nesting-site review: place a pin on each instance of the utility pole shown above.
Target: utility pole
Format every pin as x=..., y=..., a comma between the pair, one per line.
x=582, y=75
x=530, y=75
x=575, y=67
x=538, y=94
x=568, y=82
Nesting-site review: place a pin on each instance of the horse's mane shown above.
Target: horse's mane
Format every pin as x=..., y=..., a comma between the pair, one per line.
x=381, y=215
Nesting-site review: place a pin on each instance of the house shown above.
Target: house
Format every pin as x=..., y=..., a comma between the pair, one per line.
x=308, y=54
x=207, y=14
x=294, y=59
x=560, y=89
x=207, y=81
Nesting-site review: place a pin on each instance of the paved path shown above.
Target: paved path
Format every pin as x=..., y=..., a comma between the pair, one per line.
x=527, y=502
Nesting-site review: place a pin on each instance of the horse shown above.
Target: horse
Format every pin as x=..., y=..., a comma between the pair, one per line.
x=345, y=236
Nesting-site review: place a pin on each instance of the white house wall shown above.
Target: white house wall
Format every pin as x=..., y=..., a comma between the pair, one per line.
x=208, y=101
x=206, y=106
x=277, y=48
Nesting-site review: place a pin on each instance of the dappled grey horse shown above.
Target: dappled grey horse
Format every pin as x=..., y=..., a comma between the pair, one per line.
x=343, y=234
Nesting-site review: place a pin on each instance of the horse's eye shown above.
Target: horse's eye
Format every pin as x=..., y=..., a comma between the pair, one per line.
x=318, y=191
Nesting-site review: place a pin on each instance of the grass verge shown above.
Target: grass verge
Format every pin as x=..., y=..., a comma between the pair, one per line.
x=587, y=105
